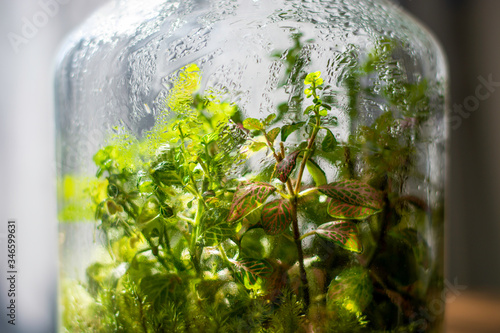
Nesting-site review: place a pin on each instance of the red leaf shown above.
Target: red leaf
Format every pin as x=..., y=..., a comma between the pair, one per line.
x=252, y=269
x=354, y=192
x=352, y=199
x=342, y=233
x=247, y=198
x=273, y=134
x=286, y=166
x=342, y=210
x=276, y=216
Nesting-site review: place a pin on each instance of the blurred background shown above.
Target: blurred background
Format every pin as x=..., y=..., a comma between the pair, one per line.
x=467, y=30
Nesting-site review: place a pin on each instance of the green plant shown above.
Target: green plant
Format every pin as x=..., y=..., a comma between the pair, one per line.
x=200, y=242
x=347, y=199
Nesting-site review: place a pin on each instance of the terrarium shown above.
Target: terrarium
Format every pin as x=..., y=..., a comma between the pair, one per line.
x=251, y=166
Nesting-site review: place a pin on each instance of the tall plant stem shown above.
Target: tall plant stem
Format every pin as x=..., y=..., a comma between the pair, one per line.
x=298, y=242
x=295, y=222
x=194, y=236
x=307, y=154
x=300, y=252
x=295, y=226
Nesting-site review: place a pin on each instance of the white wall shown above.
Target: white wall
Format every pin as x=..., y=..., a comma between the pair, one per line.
x=27, y=167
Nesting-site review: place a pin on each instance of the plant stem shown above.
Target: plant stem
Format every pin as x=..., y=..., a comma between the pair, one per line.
x=295, y=223
x=223, y=255
x=194, y=235
x=296, y=232
x=307, y=153
x=298, y=243
x=199, y=212
x=300, y=253
x=289, y=186
x=304, y=236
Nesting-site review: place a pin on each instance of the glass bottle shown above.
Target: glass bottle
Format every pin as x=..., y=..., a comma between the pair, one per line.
x=250, y=165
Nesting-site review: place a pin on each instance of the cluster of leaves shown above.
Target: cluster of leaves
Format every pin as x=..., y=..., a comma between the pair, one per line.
x=348, y=200
x=197, y=245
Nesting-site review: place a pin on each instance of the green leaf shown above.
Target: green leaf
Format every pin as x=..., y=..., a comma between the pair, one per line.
x=158, y=288
x=316, y=172
x=323, y=112
x=341, y=210
x=282, y=110
x=352, y=289
x=289, y=129
x=273, y=134
x=146, y=186
x=269, y=119
x=210, y=137
x=247, y=198
x=395, y=255
x=252, y=269
x=276, y=216
x=354, y=193
x=329, y=143
x=343, y=233
x=255, y=243
x=303, y=145
x=415, y=241
x=105, y=156
x=167, y=173
x=215, y=228
x=309, y=109
x=286, y=166
x=100, y=275
x=218, y=233
x=253, y=124
x=257, y=145
x=150, y=211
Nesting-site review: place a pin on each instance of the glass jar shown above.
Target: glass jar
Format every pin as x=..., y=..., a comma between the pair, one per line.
x=251, y=166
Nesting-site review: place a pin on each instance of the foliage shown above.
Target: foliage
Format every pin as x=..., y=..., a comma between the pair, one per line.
x=198, y=244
